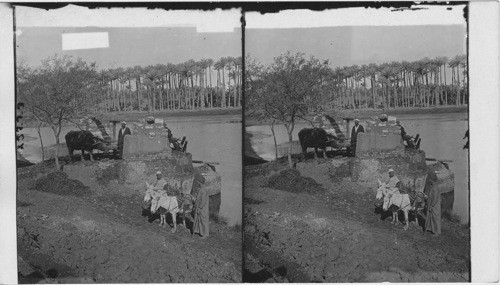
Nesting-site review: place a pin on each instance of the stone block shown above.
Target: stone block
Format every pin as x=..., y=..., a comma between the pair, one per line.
x=389, y=142
x=214, y=204
x=130, y=145
x=139, y=145
x=364, y=142
x=410, y=168
x=372, y=143
x=213, y=180
x=182, y=161
x=447, y=200
x=152, y=144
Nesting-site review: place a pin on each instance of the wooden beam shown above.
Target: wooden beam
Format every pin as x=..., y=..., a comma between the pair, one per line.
x=206, y=162
x=438, y=159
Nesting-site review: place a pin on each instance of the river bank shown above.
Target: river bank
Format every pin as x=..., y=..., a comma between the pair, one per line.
x=216, y=114
x=200, y=114
x=368, y=113
x=210, y=139
x=330, y=231
x=101, y=234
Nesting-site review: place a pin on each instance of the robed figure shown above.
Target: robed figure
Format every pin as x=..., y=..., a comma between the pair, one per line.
x=124, y=130
x=201, y=219
x=433, y=213
x=357, y=128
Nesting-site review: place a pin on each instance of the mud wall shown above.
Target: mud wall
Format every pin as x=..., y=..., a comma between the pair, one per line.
x=135, y=146
x=410, y=168
x=134, y=171
x=379, y=138
x=143, y=157
x=369, y=144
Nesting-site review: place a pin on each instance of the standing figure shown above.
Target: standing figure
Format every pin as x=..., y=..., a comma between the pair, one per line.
x=121, y=135
x=201, y=219
x=433, y=213
x=357, y=128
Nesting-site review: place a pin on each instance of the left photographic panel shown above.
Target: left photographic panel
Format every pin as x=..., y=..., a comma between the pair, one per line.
x=128, y=144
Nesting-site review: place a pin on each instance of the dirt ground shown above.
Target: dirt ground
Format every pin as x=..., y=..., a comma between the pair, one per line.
x=103, y=235
x=336, y=234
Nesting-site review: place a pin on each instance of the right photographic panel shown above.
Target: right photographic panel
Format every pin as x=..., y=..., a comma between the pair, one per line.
x=356, y=165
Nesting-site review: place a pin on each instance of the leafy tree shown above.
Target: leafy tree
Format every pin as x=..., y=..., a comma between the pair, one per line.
x=286, y=89
x=58, y=91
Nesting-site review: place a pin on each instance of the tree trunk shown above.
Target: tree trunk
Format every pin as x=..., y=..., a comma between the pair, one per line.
x=373, y=92
x=39, y=131
x=235, y=91
x=275, y=143
x=396, y=105
x=138, y=87
x=56, y=134
x=445, y=88
x=459, y=97
x=289, y=130
x=224, y=103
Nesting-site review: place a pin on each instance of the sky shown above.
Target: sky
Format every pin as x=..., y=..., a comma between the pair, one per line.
x=76, y=16
x=136, y=36
x=358, y=44
x=358, y=35
x=126, y=37
x=131, y=46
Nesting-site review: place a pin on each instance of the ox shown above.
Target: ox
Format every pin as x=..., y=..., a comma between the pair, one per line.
x=316, y=138
x=168, y=203
x=400, y=201
x=85, y=141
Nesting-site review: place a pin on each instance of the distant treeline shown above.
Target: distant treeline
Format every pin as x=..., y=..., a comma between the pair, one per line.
x=189, y=85
x=420, y=84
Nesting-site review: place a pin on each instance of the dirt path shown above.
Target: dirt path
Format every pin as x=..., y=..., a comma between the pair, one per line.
x=103, y=237
x=337, y=237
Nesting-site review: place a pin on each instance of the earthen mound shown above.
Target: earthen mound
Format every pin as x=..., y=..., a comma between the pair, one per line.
x=290, y=180
x=59, y=183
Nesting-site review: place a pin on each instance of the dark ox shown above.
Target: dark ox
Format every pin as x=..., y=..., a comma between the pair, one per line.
x=315, y=138
x=85, y=141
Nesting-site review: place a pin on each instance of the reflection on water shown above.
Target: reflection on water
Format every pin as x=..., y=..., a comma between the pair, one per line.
x=442, y=138
x=208, y=141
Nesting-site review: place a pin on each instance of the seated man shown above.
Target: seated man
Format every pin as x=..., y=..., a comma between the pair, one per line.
x=410, y=143
x=173, y=141
x=392, y=182
x=160, y=183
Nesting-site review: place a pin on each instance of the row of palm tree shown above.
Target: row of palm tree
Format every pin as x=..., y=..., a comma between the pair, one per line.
x=420, y=83
x=187, y=85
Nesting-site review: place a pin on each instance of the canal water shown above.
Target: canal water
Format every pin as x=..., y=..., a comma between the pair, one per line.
x=442, y=138
x=208, y=140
